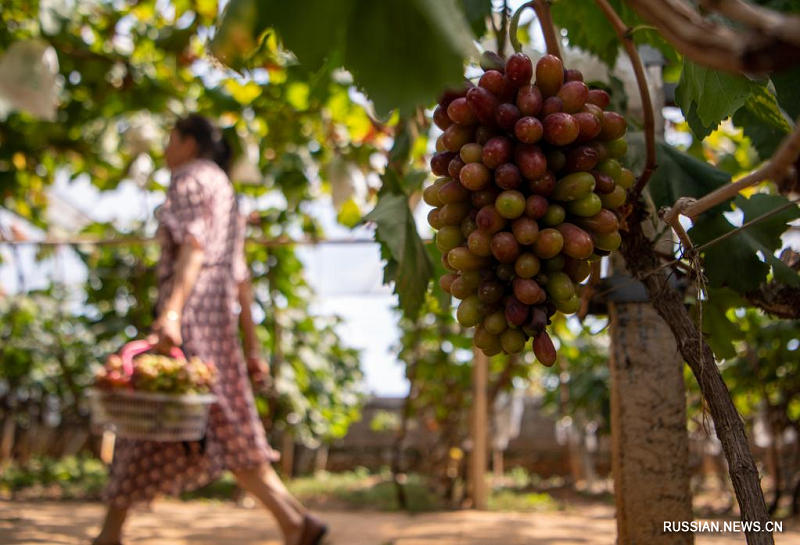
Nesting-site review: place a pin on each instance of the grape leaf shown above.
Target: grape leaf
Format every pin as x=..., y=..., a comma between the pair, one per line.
x=477, y=11
x=786, y=85
x=765, y=138
x=735, y=262
x=720, y=333
x=429, y=41
x=588, y=29
x=678, y=173
x=716, y=95
x=408, y=265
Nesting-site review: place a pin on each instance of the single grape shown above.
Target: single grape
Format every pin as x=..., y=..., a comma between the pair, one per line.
x=456, y=136
x=544, y=350
x=556, y=160
x=468, y=224
x=512, y=341
x=454, y=213
x=484, y=197
x=577, y=269
x=448, y=238
x=543, y=186
x=528, y=129
x=507, y=116
x=431, y=193
x=581, y=159
x=441, y=118
x=505, y=248
x=507, y=176
x=614, y=126
x=615, y=199
x=461, y=289
x=552, y=105
x=549, y=75
x=497, y=151
x=585, y=207
x=574, y=186
x=525, y=230
x=609, y=242
x=589, y=126
x=483, y=102
x=446, y=263
x=462, y=259
x=498, y=84
x=440, y=162
x=602, y=223
x=471, y=153
x=516, y=312
x=479, y=243
x=485, y=340
x=454, y=167
x=519, y=69
x=555, y=264
x=495, y=322
x=560, y=129
x=548, y=245
x=490, y=291
x=490, y=220
x=555, y=214
x=570, y=306
x=603, y=183
x=527, y=265
x=440, y=144
x=626, y=179
x=617, y=148
x=573, y=95
x=559, y=286
x=599, y=98
x=611, y=168
x=536, y=207
x=529, y=100
x=510, y=204
x=452, y=192
x=492, y=61
x=528, y=291
x=433, y=219
x=577, y=242
x=468, y=313
x=530, y=160
x=572, y=74
x=460, y=112
x=446, y=281
x=475, y=176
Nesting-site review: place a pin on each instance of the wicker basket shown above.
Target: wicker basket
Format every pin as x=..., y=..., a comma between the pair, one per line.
x=146, y=415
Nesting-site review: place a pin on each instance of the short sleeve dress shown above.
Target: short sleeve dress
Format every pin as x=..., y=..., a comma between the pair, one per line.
x=200, y=205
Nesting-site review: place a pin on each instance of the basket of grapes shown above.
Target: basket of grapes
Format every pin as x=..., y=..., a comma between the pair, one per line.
x=142, y=395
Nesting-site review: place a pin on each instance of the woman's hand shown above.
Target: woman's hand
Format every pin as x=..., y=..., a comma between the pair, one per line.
x=166, y=332
x=258, y=369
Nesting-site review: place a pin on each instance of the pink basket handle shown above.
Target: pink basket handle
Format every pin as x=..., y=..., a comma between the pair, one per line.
x=134, y=348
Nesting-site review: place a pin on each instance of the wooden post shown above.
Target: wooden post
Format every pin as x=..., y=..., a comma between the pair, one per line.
x=287, y=453
x=480, y=372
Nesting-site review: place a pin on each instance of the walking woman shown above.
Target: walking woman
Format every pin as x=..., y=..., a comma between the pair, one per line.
x=202, y=275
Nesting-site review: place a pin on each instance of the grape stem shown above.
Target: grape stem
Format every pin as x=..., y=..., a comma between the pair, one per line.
x=625, y=34
x=542, y=9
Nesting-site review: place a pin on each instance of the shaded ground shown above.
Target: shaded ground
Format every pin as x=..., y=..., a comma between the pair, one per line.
x=218, y=523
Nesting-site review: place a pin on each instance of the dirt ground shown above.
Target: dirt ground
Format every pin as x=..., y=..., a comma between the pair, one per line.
x=210, y=523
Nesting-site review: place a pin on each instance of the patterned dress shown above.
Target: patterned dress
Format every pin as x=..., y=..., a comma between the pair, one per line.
x=201, y=204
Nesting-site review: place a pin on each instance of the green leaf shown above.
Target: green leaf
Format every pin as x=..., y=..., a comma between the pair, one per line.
x=735, y=262
x=476, y=12
x=678, y=174
x=408, y=265
x=588, y=29
x=786, y=85
x=715, y=94
x=720, y=332
x=765, y=138
x=401, y=53
x=764, y=105
x=419, y=57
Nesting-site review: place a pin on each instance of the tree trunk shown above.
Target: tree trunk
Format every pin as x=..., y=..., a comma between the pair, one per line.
x=643, y=262
x=650, y=444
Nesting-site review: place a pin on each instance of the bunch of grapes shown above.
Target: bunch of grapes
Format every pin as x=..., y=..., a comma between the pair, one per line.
x=527, y=196
x=157, y=373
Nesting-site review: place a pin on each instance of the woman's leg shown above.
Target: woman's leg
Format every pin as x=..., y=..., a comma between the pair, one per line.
x=273, y=480
x=111, y=533
x=289, y=518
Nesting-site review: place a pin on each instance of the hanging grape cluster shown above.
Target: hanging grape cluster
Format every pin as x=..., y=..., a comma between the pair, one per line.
x=527, y=196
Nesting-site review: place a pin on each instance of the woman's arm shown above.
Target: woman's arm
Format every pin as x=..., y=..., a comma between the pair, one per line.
x=256, y=366
x=167, y=326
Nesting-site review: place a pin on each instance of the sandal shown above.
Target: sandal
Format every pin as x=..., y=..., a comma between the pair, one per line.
x=313, y=531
